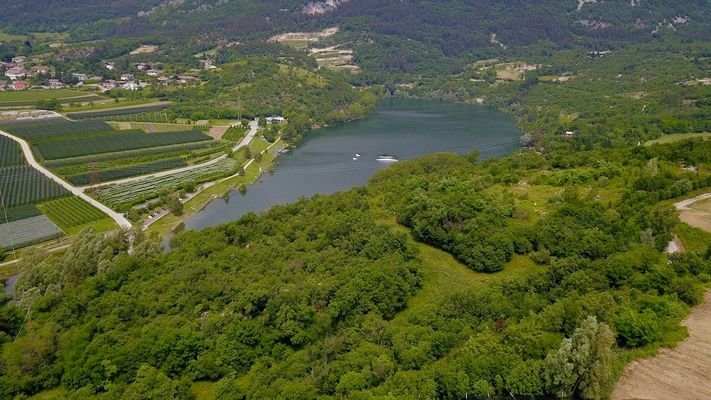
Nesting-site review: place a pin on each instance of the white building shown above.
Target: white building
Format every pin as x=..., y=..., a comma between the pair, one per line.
x=16, y=73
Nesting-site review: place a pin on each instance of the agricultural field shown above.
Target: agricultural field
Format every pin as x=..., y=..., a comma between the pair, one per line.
x=150, y=127
x=235, y=133
x=119, y=141
x=202, y=148
x=677, y=137
x=28, y=231
x=10, y=153
x=51, y=127
x=19, y=212
x=127, y=171
x=123, y=196
x=70, y=213
x=39, y=94
x=22, y=184
x=120, y=111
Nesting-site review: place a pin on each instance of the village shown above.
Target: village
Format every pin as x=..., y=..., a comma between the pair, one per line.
x=22, y=73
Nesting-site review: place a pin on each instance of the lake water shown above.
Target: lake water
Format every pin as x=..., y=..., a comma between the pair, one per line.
x=323, y=162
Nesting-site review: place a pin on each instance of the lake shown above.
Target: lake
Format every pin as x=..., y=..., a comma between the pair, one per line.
x=324, y=161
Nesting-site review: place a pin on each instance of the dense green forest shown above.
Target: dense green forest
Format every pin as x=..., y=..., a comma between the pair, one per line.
x=331, y=297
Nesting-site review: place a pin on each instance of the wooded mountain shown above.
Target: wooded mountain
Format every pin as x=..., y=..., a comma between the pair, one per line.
x=452, y=27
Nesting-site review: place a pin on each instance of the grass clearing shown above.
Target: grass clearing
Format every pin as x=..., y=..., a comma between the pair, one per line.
x=444, y=275
x=203, y=390
x=694, y=239
x=40, y=94
x=678, y=137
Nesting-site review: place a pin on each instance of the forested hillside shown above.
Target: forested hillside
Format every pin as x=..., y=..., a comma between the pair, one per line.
x=330, y=298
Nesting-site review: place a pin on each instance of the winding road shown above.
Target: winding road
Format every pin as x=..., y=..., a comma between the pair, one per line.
x=253, y=127
x=27, y=150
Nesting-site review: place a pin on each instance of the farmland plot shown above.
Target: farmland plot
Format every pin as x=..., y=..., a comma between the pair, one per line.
x=127, y=171
x=70, y=212
x=123, y=196
x=28, y=231
x=121, y=141
x=23, y=184
x=35, y=129
x=120, y=111
x=206, y=146
x=18, y=213
x=10, y=153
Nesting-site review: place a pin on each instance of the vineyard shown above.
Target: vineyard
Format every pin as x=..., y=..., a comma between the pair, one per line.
x=120, y=141
x=123, y=196
x=28, y=231
x=70, y=212
x=23, y=184
x=127, y=171
x=235, y=133
x=10, y=153
x=41, y=128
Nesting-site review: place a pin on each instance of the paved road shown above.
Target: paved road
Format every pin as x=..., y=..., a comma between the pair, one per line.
x=119, y=218
x=253, y=127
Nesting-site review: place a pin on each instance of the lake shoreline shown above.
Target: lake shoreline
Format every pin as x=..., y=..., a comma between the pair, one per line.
x=327, y=159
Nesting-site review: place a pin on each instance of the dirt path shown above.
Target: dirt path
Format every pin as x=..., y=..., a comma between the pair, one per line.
x=682, y=373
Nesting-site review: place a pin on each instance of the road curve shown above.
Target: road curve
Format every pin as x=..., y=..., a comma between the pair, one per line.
x=684, y=204
x=253, y=127
x=119, y=218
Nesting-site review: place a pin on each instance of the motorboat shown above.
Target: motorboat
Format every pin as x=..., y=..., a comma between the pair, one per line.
x=386, y=158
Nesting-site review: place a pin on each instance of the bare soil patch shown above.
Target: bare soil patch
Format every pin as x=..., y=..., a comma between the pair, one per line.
x=216, y=132
x=682, y=373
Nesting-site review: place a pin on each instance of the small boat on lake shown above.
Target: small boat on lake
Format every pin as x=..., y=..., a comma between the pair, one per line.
x=386, y=158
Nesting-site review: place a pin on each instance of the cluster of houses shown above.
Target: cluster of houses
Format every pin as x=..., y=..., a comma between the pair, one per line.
x=128, y=81
x=16, y=72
